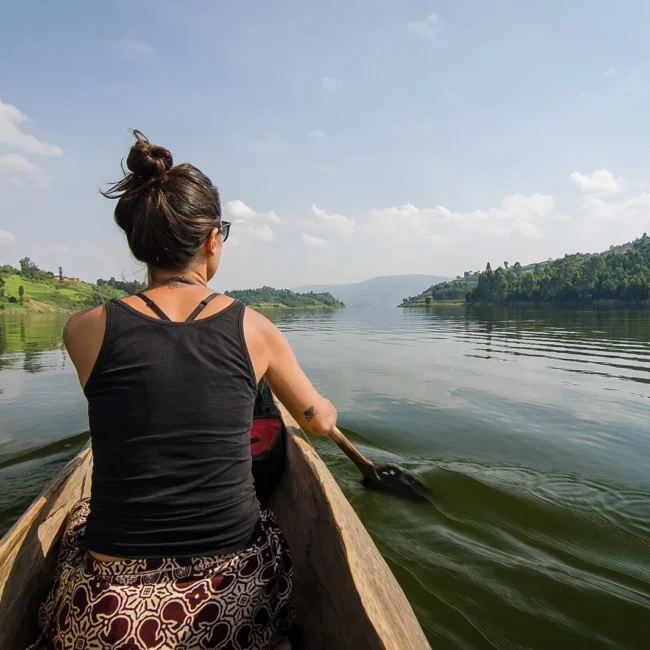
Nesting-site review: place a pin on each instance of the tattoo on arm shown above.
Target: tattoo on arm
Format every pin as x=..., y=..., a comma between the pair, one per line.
x=310, y=413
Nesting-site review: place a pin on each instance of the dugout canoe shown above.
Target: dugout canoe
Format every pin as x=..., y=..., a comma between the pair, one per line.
x=348, y=598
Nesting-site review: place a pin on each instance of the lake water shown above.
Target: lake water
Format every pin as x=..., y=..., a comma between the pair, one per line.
x=531, y=427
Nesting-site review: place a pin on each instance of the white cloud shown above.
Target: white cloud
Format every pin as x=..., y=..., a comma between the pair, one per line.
x=6, y=238
x=517, y=214
x=13, y=136
x=246, y=232
x=15, y=162
x=18, y=162
x=429, y=28
x=239, y=211
x=600, y=181
x=630, y=211
x=610, y=72
x=317, y=134
x=130, y=48
x=263, y=233
x=314, y=242
x=527, y=229
x=334, y=222
x=331, y=84
x=534, y=206
x=406, y=221
x=249, y=222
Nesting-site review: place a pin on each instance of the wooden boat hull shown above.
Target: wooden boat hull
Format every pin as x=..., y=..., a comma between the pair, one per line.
x=348, y=598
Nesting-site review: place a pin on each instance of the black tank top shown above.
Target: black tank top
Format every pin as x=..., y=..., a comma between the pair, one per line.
x=170, y=407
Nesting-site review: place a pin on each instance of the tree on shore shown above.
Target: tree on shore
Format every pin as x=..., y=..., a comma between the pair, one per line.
x=621, y=274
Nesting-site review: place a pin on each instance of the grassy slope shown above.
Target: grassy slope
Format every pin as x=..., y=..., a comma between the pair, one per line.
x=54, y=296
x=51, y=295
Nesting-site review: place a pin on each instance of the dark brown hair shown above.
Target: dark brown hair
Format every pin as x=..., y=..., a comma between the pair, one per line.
x=167, y=212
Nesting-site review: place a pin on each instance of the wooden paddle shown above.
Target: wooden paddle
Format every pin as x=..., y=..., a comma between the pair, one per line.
x=366, y=467
x=387, y=478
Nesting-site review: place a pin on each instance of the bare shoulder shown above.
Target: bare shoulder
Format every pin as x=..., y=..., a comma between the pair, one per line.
x=83, y=335
x=83, y=320
x=83, y=323
x=261, y=327
x=258, y=321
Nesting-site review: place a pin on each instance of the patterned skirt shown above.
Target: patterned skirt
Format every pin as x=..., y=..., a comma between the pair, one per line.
x=240, y=600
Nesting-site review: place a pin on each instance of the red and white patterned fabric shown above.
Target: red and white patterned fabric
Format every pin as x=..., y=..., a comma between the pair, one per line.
x=235, y=601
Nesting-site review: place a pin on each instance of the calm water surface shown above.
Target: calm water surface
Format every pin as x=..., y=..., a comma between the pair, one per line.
x=531, y=427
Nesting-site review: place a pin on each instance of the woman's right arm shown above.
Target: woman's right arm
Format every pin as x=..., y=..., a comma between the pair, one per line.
x=313, y=412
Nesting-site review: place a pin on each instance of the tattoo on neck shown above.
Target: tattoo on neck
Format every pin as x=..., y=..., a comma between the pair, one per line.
x=310, y=413
x=177, y=279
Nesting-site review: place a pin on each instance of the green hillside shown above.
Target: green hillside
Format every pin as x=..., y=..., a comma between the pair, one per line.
x=43, y=291
x=621, y=274
x=32, y=289
x=268, y=297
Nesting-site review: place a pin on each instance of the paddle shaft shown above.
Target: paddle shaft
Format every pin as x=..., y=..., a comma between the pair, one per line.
x=366, y=466
x=390, y=478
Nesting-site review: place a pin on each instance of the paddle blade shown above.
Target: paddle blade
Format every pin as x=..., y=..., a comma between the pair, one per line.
x=399, y=482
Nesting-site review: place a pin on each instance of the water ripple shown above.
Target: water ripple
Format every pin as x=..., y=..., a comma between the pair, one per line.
x=529, y=426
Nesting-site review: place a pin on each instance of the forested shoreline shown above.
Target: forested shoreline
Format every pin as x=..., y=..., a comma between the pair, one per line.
x=270, y=297
x=621, y=275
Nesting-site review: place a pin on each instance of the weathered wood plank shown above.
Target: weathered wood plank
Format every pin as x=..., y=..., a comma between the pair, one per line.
x=28, y=552
x=347, y=596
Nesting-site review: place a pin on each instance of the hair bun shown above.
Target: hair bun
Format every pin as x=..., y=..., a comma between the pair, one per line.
x=148, y=160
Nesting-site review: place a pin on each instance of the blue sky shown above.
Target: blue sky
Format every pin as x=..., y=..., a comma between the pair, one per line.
x=349, y=139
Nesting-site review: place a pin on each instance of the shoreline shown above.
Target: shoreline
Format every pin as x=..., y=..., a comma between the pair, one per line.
x=38, y=308
x=575, y=304
x=271, y=306
x=44, y=308
x=434, y=303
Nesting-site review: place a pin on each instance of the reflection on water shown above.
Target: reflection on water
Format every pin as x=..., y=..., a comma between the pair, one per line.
x=530, y=426
x=26, y=339
x=40, y=401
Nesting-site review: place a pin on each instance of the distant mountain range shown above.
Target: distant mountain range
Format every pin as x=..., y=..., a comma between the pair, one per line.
x=385, y=291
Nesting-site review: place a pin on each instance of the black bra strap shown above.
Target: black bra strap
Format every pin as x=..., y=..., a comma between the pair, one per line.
x=201, y=306
x=153, y=306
